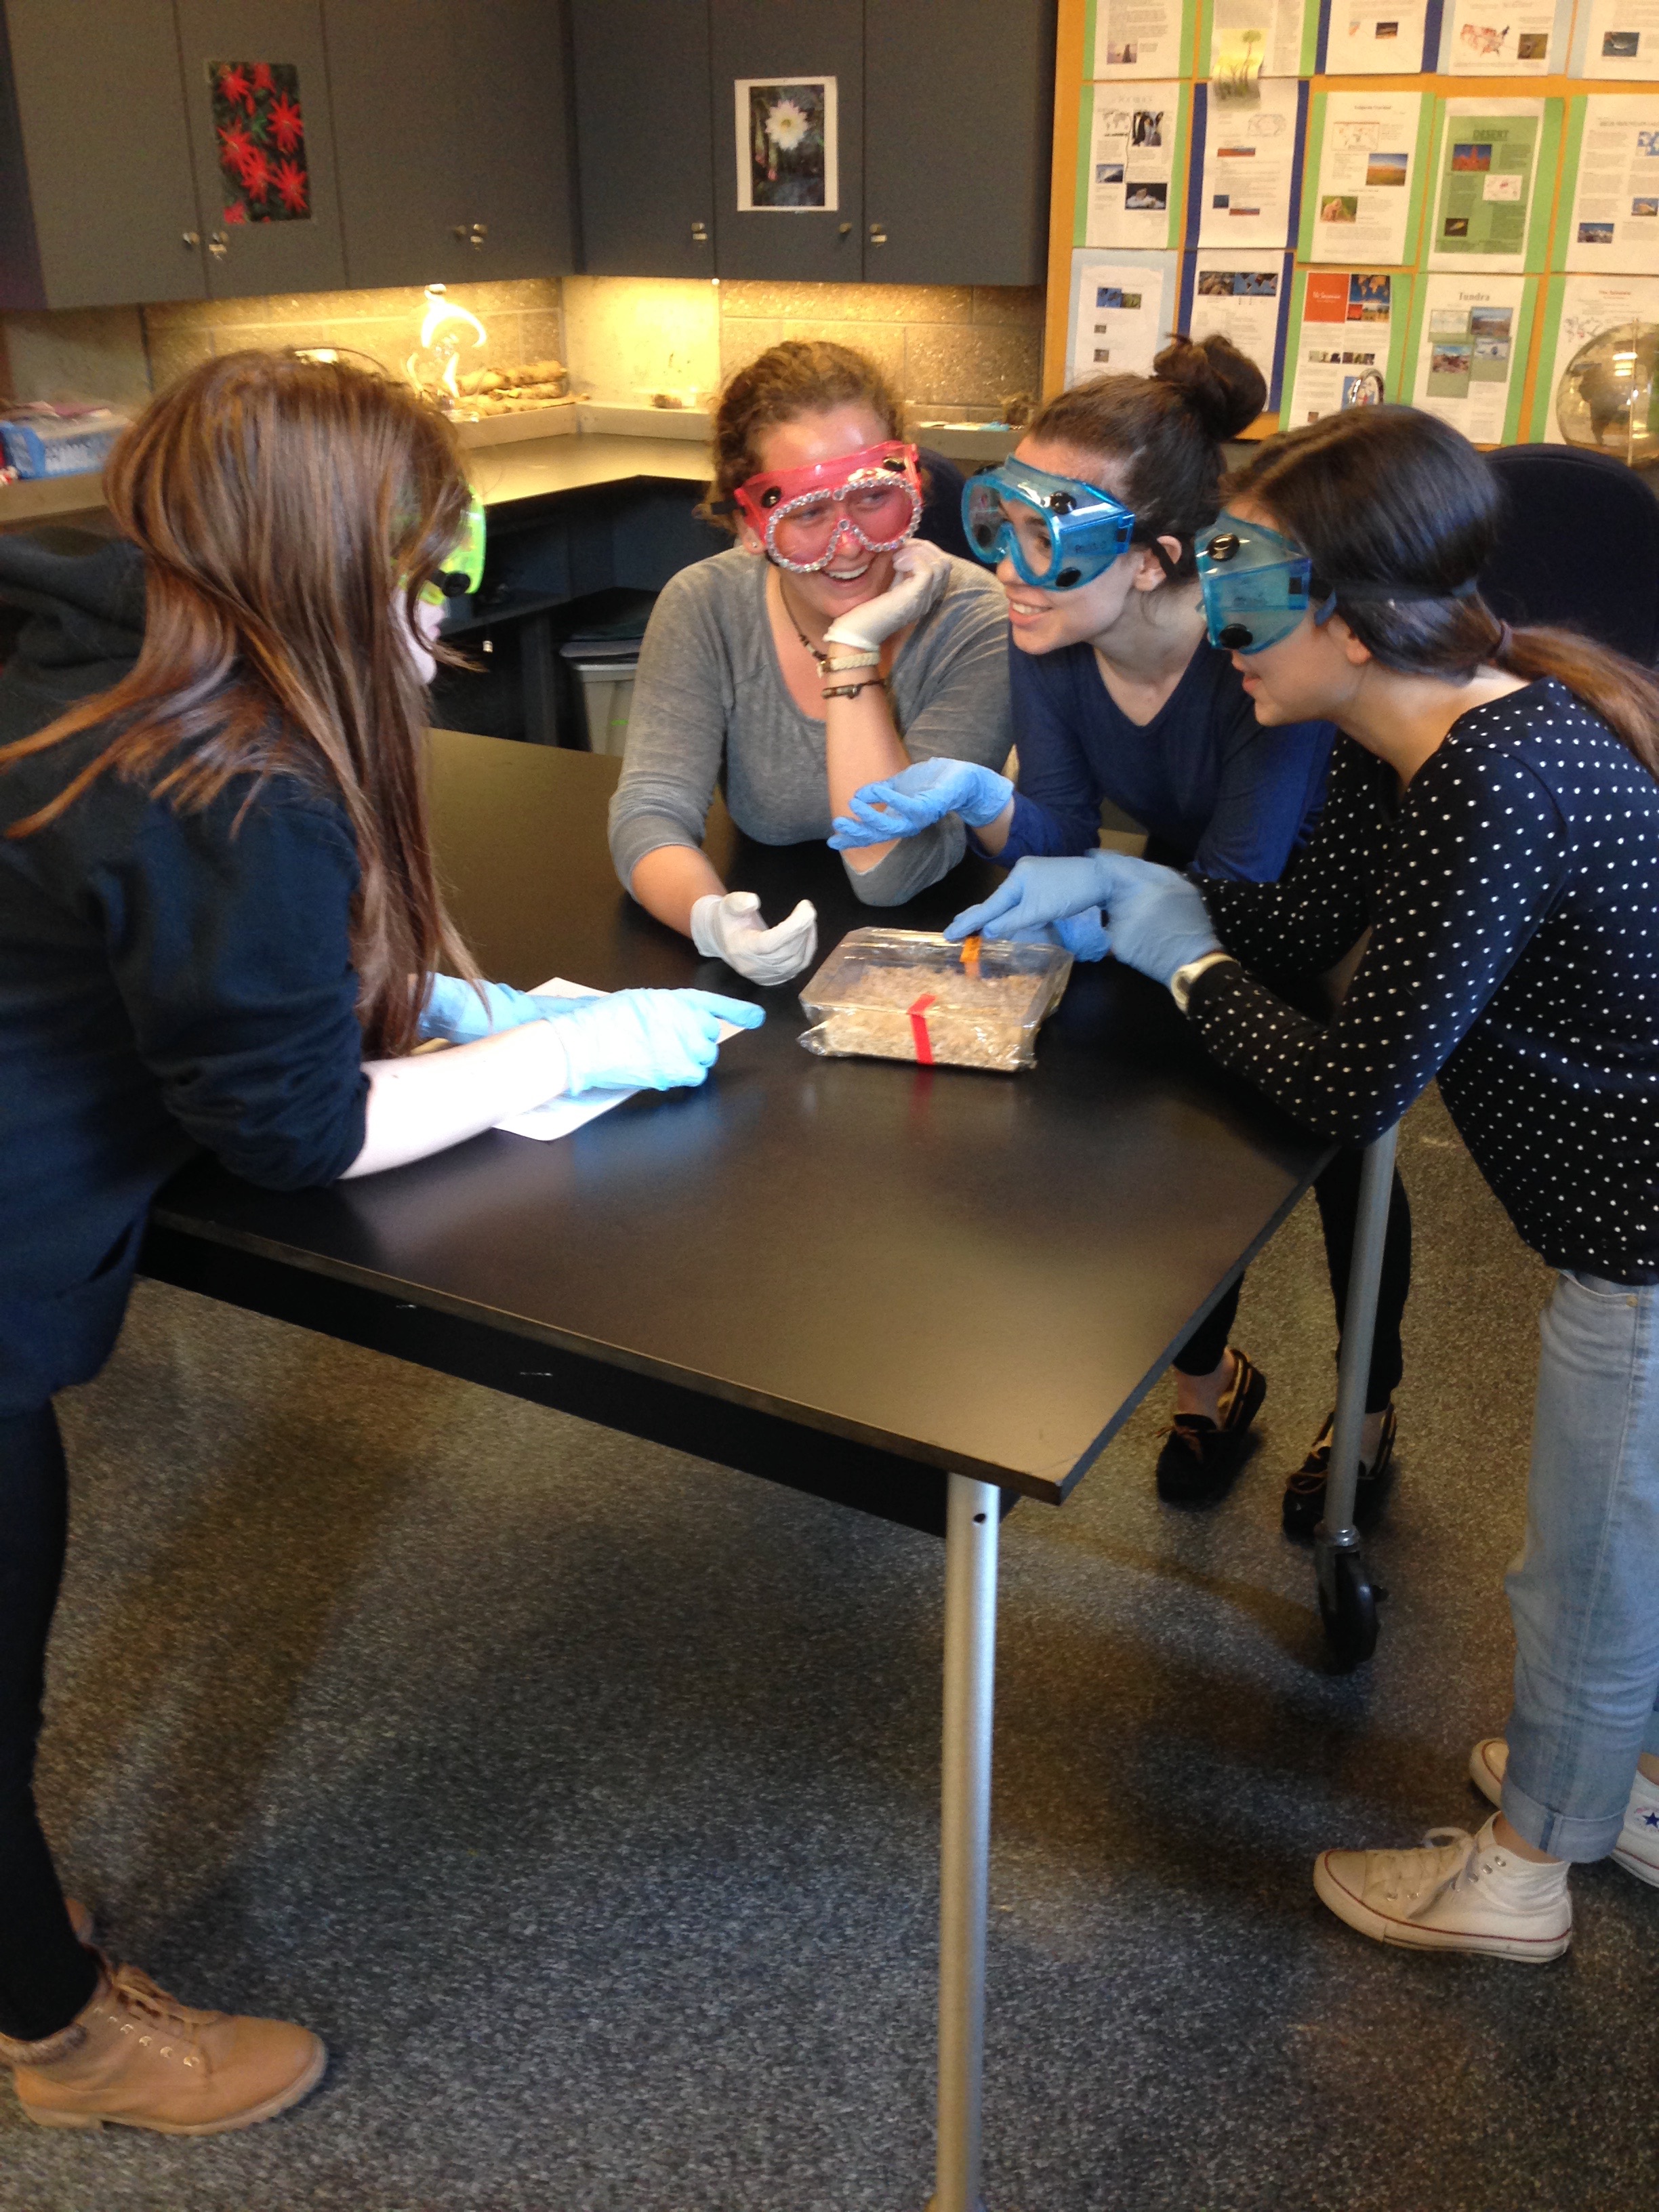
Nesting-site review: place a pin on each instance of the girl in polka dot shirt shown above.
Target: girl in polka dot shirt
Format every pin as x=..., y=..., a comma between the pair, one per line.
x=1493, y=822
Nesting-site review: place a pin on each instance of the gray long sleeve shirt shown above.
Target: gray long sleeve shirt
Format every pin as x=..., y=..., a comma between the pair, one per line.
x=711, y=705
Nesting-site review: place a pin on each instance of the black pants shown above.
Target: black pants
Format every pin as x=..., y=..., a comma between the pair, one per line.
x=1338, y=1192
x=45, y=1977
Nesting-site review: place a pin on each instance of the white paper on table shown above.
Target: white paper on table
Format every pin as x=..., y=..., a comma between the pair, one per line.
x=1366, y=39
x=1123, y=311
x=1131, y=137
x=1614, y=224
x=1615, y=39
x=1469, y=354
x=1528, y=38
x=1363, y=185
x=1341, y=351
x=1140, y=37
x=1252, y=165
x=1587, y=307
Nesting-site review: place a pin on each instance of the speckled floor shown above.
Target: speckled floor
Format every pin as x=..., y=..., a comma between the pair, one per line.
x=585, y=1798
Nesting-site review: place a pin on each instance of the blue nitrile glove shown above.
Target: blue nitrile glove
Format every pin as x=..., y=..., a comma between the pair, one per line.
x=648, y=1040
x=454, y=1012
x=916, y=797
x=1155, y=920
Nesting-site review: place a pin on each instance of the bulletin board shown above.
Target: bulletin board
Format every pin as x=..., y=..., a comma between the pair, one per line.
x=1433, y=201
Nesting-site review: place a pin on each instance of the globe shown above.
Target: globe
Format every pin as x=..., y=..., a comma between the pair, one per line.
x=1609, y=396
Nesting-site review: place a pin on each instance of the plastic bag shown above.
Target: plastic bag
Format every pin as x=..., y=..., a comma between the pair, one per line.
x=906, y=994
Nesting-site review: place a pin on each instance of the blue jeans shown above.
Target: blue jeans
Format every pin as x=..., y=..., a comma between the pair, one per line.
x=1584, y=1594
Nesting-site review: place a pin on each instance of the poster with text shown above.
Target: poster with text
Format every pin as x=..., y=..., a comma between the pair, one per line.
x=1247, y=166
x=1345, y=345
x=1139, y=37
x=1133, y=151
x=1482, y=39
x=1123, y=311
x=1489, y=212
x=1365, y=196
x=1244, y=296
x=1616, y=39
x=1365, y=39
x=1468, y=351
x=1242, y=41
x=1577, y=309
x=1609, y=216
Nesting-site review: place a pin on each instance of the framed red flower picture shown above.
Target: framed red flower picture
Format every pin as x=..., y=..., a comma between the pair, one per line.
x=259, y=129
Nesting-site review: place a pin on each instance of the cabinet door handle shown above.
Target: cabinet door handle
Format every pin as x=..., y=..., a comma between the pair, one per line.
x=699, y=234
x=218, y=245
x=846, y=229
x=877, y=233
x=190, y=240
x=471, y=233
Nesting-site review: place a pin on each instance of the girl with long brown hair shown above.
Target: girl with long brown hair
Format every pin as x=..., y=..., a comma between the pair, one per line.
x=832, y=644
x=1493, y=823
x=220, y=929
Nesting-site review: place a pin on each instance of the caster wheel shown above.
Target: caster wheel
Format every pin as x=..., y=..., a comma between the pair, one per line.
x=1347, y=1607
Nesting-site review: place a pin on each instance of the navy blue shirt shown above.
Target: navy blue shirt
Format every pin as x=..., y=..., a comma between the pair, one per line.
x=1217, y=791
x=169, y=981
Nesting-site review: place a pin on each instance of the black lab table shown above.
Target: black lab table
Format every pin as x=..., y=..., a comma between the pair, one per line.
x=923, y=1292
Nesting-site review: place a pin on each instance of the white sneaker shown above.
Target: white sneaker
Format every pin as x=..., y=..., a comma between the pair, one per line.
x=1461, y=1892
x=1638, y=1848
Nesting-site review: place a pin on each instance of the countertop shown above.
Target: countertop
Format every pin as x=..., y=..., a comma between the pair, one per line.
x=531, y=468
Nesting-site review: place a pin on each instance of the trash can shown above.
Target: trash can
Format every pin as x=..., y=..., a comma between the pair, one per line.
x=605, y=670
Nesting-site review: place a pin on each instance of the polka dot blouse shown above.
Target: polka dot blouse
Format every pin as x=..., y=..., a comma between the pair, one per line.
x=1512, y=896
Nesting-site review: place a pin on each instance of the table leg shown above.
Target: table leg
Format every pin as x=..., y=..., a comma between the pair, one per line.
x=970, y=1628
x=1358, y=1327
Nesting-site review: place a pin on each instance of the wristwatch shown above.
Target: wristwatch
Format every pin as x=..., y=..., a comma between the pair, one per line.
x=1182, y=982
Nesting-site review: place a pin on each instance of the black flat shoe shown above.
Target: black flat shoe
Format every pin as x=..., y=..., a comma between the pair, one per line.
x=1200, y=1458
x=1304, y=1493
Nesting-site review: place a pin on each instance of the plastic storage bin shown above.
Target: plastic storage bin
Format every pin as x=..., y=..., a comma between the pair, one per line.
x=905, y=994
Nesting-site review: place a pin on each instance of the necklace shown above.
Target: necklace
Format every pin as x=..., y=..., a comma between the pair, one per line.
x=783, y=594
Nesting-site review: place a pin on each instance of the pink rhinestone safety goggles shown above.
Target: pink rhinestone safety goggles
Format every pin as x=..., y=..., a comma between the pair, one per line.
x=801, y=515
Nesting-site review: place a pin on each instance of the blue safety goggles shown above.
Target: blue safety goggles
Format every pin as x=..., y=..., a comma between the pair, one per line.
x=1255, y=583
x=1059, y=533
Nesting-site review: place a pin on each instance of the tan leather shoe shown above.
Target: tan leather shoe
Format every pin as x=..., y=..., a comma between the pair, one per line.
x=136, y=2059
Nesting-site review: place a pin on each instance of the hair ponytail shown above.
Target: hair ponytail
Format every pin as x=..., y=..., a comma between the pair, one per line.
x=1624, y=695
x=1161, y=435
x=1381, y=495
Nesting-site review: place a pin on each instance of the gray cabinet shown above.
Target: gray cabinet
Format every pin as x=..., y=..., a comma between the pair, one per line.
x=780, y=43
x=942, y=128
x=645, y=148
x=958, y=120
x=97, y=201
x=454, y=144
x=283, y=233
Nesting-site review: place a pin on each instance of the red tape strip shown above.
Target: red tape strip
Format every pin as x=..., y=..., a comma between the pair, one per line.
x=919, y=1029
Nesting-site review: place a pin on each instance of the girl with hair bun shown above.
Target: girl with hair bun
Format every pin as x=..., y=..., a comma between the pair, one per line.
x=1119, y=696
x=1493, y=826
x=831, y=646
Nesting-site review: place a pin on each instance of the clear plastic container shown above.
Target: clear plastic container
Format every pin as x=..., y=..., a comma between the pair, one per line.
x=905, y=994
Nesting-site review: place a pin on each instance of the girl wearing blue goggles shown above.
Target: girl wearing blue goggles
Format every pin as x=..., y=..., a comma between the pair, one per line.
x=1126, y=698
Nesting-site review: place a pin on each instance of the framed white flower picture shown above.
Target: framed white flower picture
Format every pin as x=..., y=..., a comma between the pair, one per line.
x=786, y=154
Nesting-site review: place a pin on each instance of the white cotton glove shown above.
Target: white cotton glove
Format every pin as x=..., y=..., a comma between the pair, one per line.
x=921, y=573
x=730, y=929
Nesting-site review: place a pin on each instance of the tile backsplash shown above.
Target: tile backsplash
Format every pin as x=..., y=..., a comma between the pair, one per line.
x=958, y=352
